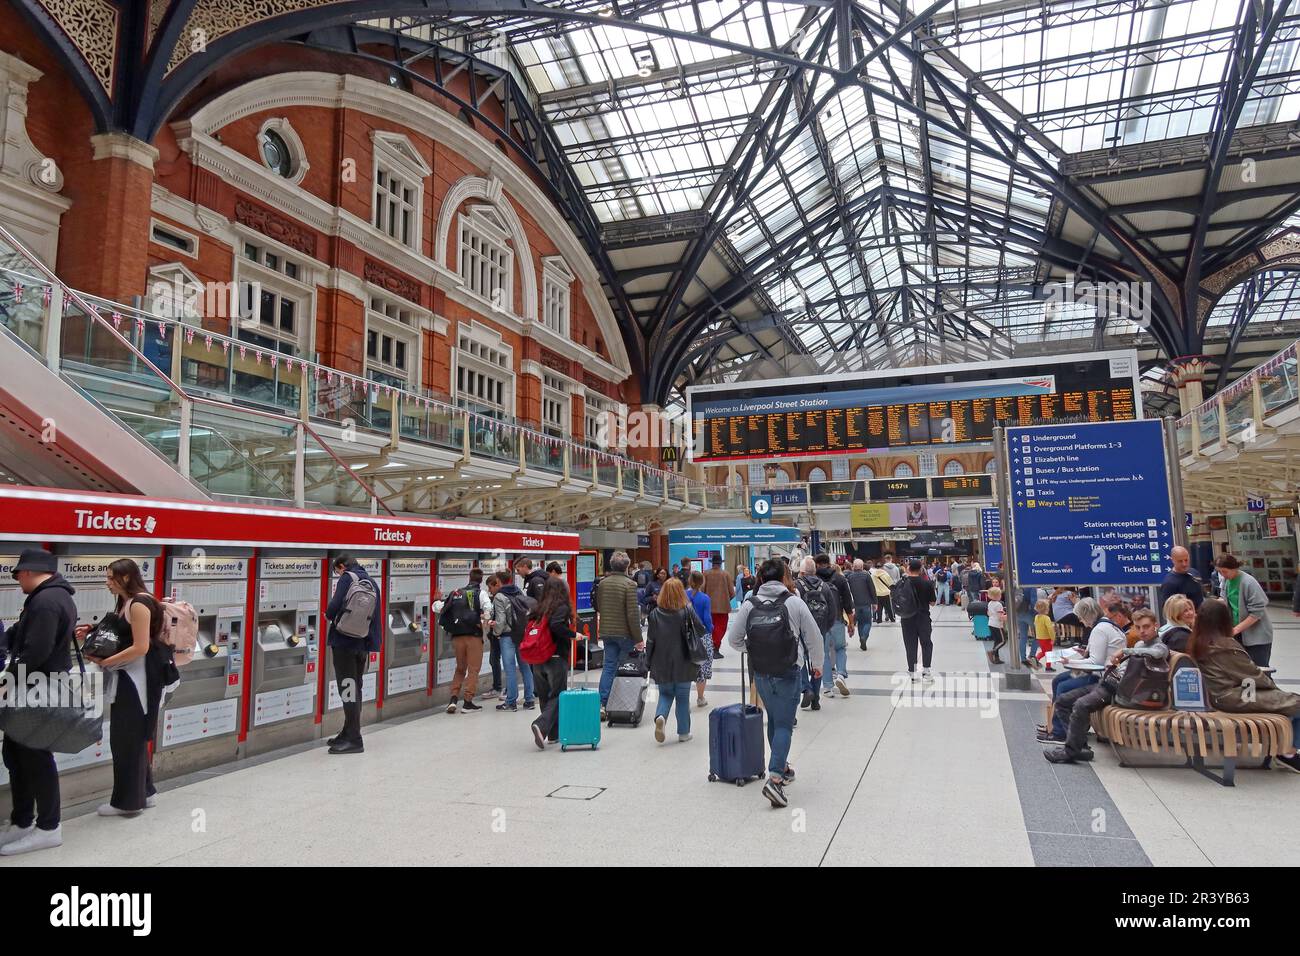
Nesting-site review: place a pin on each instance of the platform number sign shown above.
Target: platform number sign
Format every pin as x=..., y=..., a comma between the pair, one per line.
x=761, y=507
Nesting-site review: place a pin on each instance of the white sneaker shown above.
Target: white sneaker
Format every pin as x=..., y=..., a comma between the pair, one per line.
x=150, y=802
x=659, y=728
x=682, y=738
x=701, y=702
x=12, y=833
x=36, y=840
x=916, y=678
x=927, y=676
x=841, y=685
x=108, y=810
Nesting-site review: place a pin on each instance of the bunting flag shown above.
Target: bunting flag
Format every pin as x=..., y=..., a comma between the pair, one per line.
x=18, y=292
x=207, y=343
x=117, y=321
x=225, y=347
x=243, y=351
x=257, y=356
x=139, y=325
x=329, y=375
x=189, y=334
x=162, y=331
x=46, y=294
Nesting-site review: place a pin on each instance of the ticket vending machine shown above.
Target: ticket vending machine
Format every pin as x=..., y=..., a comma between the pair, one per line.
x=285, y=652
x=406, y=636
x=199, y=724
x=453, y=573
x=370, y=680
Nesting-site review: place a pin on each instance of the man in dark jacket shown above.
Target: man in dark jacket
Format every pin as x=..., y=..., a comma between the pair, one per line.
x=350, y=654
x=40, y=643
x=836, y=677
x=534, y=578
x=864, y=599
x=1180, y=580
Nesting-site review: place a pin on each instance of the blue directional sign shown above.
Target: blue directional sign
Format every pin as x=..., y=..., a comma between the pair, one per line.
x=760, y=507
x=1090, y=503
x=991, y=536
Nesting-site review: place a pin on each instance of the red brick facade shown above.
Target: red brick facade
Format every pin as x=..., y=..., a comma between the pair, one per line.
x=105, y=245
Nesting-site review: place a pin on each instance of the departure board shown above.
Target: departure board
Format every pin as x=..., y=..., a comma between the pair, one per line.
x=899, y=409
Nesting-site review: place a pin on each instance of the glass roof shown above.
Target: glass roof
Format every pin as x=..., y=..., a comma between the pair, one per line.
x=892, y=218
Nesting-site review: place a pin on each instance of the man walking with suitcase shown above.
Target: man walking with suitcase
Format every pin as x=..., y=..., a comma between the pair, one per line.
x=618, y=622
x=776, y=628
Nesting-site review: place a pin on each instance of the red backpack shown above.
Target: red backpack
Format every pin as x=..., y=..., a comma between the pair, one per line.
x=538, y=646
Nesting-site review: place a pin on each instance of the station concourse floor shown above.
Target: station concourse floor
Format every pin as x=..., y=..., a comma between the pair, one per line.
x=878, y=784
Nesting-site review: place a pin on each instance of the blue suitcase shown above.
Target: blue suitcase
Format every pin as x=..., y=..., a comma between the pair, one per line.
x=736, y=743
x=579, y=716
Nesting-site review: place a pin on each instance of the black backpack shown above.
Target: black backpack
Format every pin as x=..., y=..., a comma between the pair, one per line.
x=459, y=616
x=769, y=637
x=903, y=596
x=520, y=607
x=820, y=600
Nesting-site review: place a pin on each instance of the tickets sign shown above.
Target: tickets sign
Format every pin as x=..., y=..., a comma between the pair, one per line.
x=38, y=514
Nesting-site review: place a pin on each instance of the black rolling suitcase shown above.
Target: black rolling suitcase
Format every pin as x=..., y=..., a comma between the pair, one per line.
x=626, y=704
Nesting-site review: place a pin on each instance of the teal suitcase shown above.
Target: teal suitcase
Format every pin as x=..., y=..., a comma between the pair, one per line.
x=579, y=716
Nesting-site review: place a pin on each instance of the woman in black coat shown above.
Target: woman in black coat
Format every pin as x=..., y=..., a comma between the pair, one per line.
x=666, y=657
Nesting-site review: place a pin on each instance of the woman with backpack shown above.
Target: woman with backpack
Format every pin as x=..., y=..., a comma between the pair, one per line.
x=141, y=670
x=550, y=627
x=665, y=650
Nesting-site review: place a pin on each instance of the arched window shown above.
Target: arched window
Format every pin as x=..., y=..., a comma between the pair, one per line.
x=953, y=467
x=990, y=465
x=781, y=477
x=929, y=464
x=817, y=474
x=864, y=473
x=903, y=470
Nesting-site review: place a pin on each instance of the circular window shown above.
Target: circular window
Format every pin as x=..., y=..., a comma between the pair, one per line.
x=276, y=153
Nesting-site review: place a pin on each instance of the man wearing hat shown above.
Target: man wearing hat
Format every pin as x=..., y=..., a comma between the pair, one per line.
x=41, y=642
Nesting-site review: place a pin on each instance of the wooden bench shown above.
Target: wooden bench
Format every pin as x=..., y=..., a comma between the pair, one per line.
x=1211, y=735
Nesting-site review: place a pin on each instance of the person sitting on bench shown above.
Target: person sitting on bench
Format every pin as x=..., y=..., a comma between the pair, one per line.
x=1076, y=707
x=1233, y=681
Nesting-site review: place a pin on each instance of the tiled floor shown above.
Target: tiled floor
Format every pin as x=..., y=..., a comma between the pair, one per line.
x=935, y=779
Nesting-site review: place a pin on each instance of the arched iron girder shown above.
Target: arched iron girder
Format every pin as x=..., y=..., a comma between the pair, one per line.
x=1260, y=20
x=1255, y=291
x=152, y=110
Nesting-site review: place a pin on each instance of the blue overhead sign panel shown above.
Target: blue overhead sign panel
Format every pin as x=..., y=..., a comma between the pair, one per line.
x=1090, y=504
x=991, y=536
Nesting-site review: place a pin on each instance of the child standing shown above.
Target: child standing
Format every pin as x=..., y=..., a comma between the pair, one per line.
x=997, y=624
x=1043, y=631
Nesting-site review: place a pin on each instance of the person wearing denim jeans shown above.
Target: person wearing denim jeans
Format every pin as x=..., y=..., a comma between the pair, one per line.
x=780, y=692
x=837, y=650
x=507, y=623
x=678, y=694
x=618, y=622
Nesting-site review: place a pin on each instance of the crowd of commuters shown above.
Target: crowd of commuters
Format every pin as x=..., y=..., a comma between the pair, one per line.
x=642, y=610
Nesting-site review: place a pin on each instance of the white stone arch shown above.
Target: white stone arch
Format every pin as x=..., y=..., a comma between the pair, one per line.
x=493, y=191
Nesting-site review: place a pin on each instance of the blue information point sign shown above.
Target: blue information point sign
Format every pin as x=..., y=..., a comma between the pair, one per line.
x=991, y=536
x=1090, y=504
x=760, y=507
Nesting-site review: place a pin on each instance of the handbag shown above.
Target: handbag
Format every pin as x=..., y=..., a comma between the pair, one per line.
x=66, y=729
x=107, y=637
x=693, y=640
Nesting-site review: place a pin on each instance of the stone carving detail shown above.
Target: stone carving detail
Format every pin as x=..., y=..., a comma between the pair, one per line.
x=212, y=19
x=91, y=25
x=1229, y=274
x=278, y=227
x=157, y=10
x=379, y=274
x=1286, y=244
x=557, y=363
x=596, y=384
